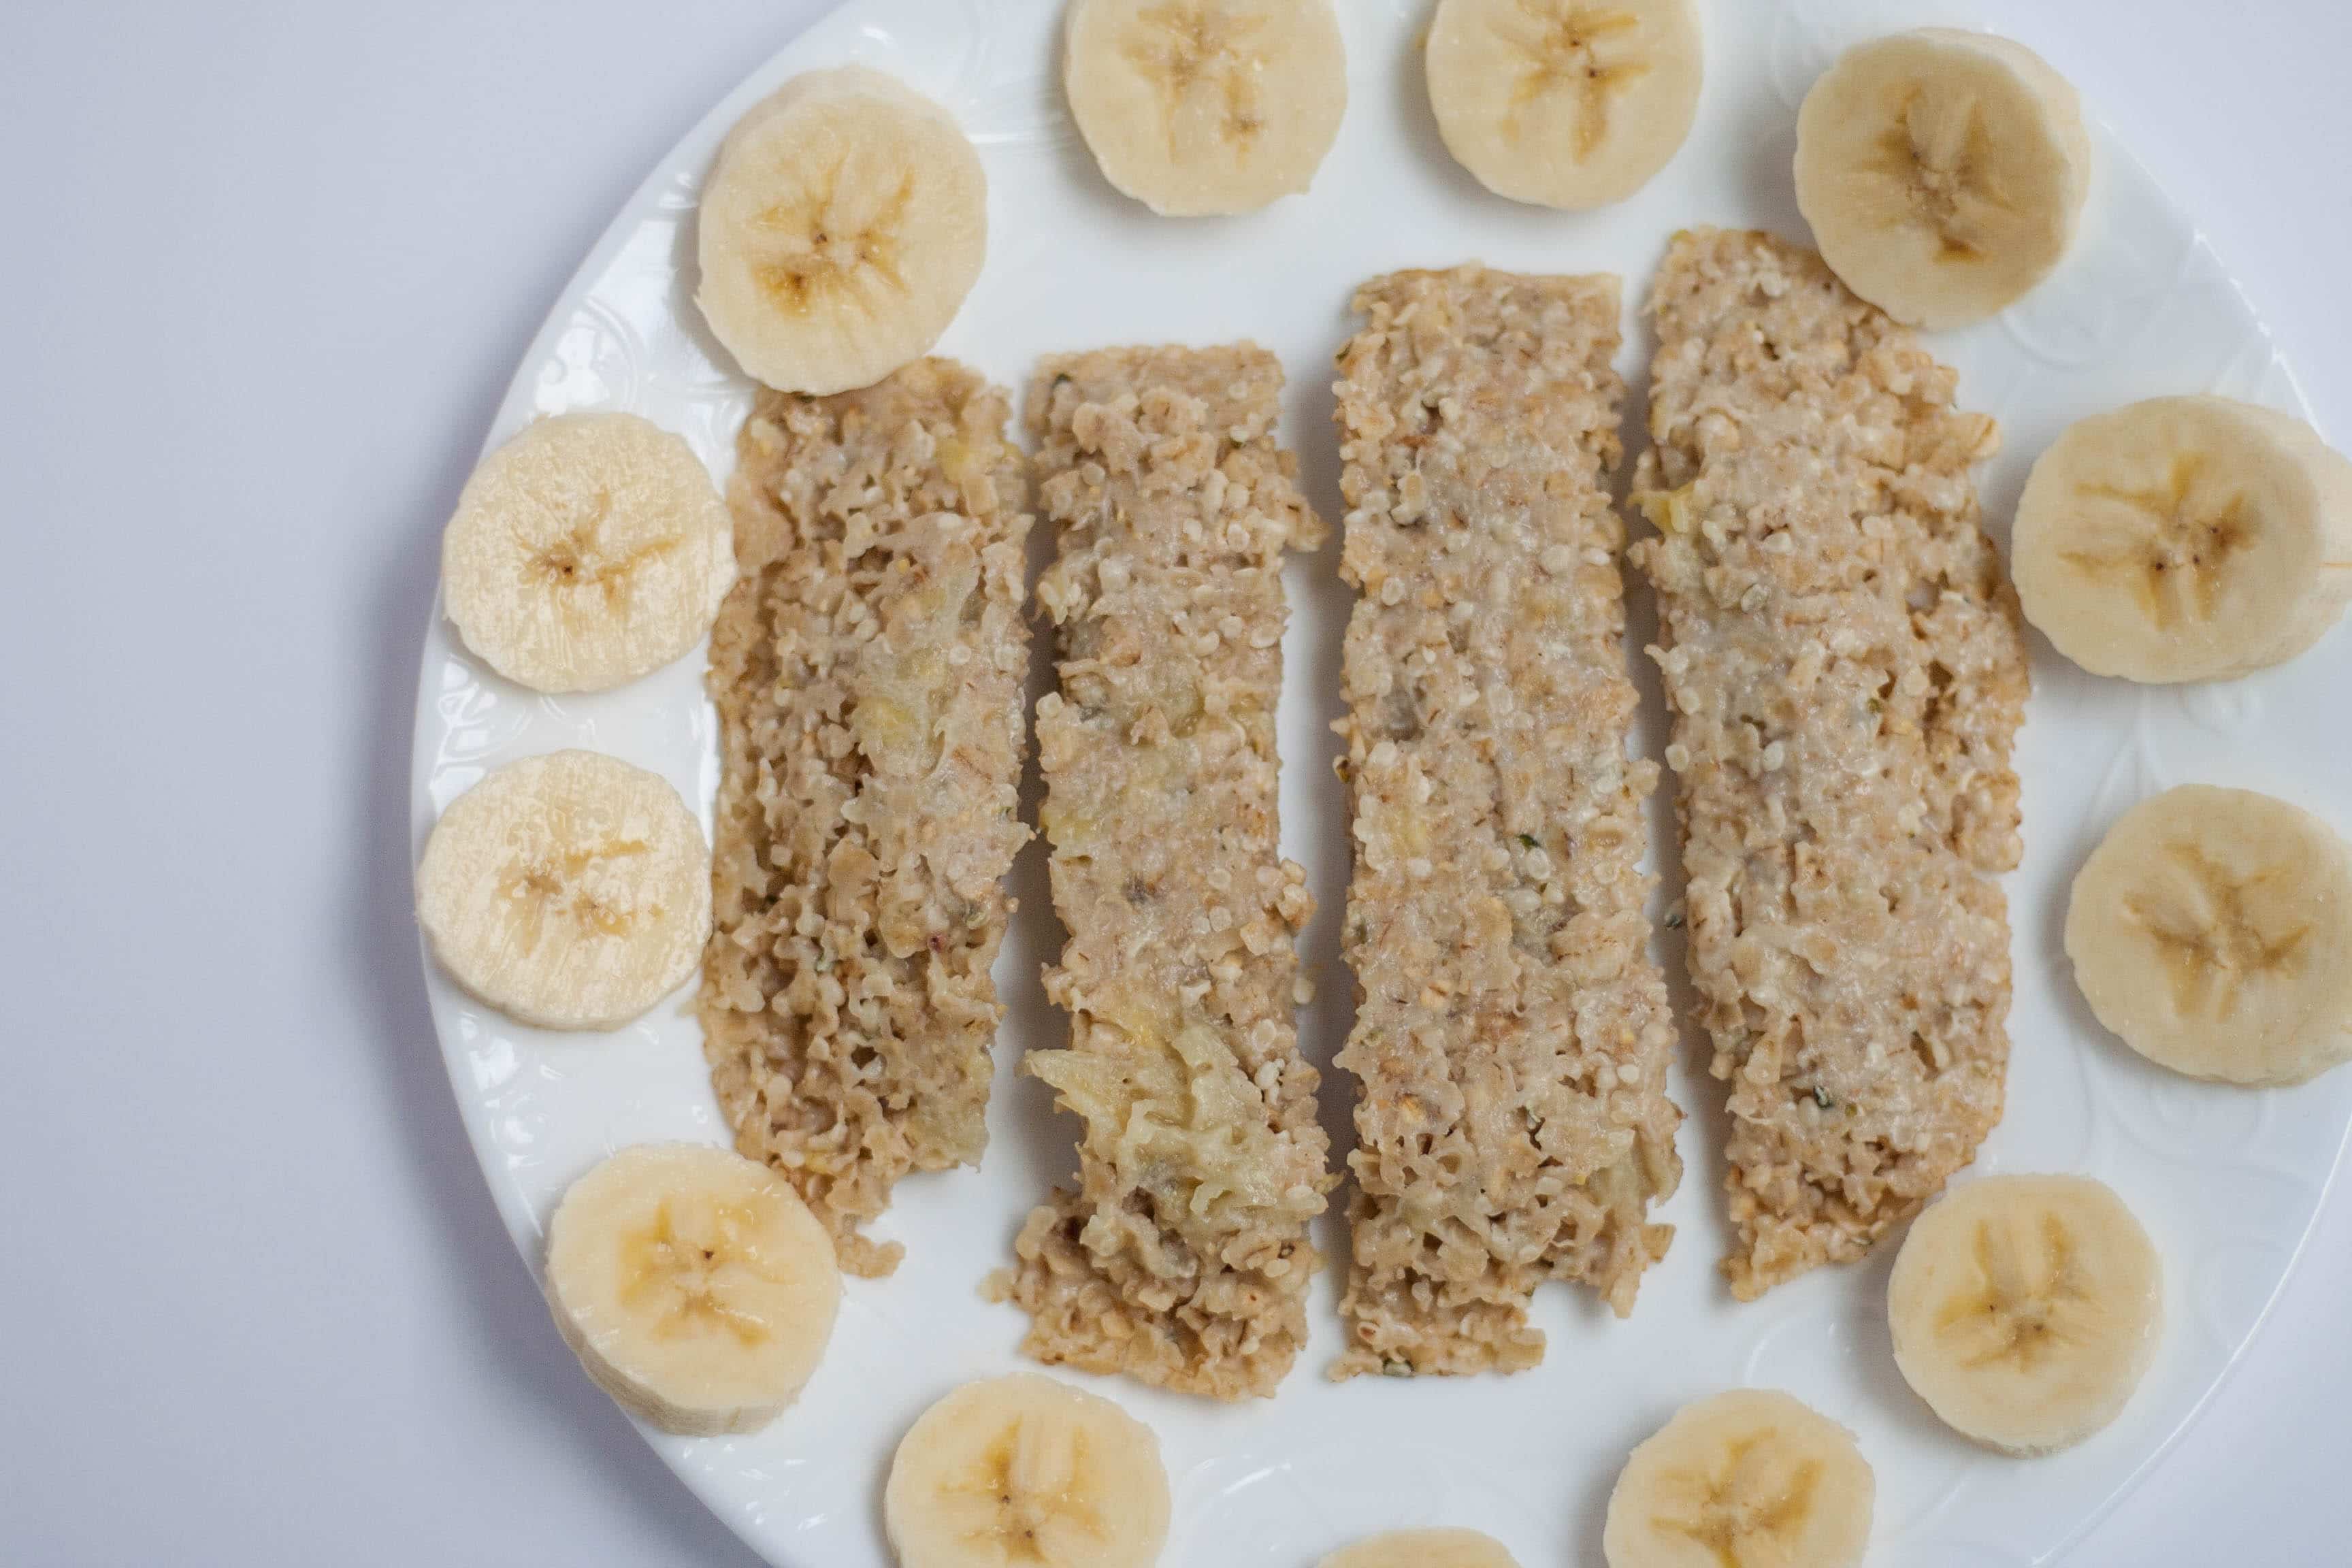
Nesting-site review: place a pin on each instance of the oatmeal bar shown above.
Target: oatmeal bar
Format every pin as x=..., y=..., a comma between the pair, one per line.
x=1846, y=666
x=1512, y=1033
x=868, y=670
x=1183, y=1258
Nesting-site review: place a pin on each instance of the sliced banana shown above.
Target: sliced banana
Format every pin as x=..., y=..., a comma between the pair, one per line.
x=1422, y=1549
x=2211, y=929
x=694, y=1285
x=2025, y=1308
x=590, y=550
x=570, y=891
x=1943, y=172
x=844, y=221
x=1750, y=1478
x=1026, y=1470
x=2185, y=538
x=1564, y=104
x=1200, y=107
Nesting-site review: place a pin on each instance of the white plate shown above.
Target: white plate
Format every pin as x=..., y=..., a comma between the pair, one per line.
x=2228, y=1182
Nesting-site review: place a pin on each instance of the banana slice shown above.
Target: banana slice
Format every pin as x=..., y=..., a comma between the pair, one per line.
x=2211, y=929
x=1944, y=173
x=590, y=550
x=1422, y=1549
x=570, y=891
x=1751, y=1478
x=2024, y=1310
x=1025, y=1471
x=844, y=221
x=1564, y=104
x=1199, y=106
x=693, y=1284
x=2185, y=538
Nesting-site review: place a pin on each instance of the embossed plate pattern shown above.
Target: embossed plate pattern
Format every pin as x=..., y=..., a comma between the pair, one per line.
x=2227, y=1181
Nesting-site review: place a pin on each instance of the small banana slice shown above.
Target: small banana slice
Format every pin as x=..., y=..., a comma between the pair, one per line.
x=1564, y=104
x=2024, y=1310
x=1422, y=1549
x=590, y=550
x=570, y=891
x=2211, y=929
x=2185, y=538
x=1751, y=1478
x=1944, y=173
x=844, y=221
x=1026, y=1470
x=693, y=1284
x=1200, y=107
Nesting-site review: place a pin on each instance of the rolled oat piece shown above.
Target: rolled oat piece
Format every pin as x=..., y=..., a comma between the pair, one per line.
x=1512, y=1033
x=1846, y=666
x=1182, y=1258
x=868, y=670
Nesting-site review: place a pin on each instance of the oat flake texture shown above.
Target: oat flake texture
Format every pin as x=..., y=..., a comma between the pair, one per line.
x=1846, y=668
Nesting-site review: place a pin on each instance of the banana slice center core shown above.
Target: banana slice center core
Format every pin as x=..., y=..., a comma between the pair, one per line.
x=580, y=561
x=1573, y=49
x=1755, y=1498
x=2022, y=1311
x=2211, y=940
x=813, y=250
x=1936, y=153
x=2176, y=539
x=1034, y=1483
x=1201, y=59
x=576, y=886
x=686, y=1269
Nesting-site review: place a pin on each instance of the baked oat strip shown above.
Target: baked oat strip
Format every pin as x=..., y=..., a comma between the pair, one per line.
x=1512, y=1033
x=868, y=672
x=1846, y=666
x=1182, y=1258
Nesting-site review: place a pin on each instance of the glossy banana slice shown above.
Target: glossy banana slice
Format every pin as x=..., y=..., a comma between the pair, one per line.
x=1422, y=1549
x=693, y=1284
x=844, y=221
x=1199, y=106
x=570, y=891
x=2211, y=929
x=1943, y=172
x=1027, y=1472
x=2025, y=1308
x=1750, y=1478
x=2185, y=538
x=1564, y=104
x=590, y=550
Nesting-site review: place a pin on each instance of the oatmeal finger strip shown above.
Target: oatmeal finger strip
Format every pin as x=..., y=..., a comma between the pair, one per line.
x=868, y=670
x=1512, y=1033
x=1182, y=1256
x=1846, y=668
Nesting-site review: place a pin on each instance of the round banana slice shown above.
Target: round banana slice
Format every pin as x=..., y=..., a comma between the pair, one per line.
x=1200, y=107
x=590, y=550
x=1564, y=104
x=570, y=891
x=2185, y=538
x=2211, y=929
x=1026, y=1470
x=2024, y=1310
x=1943, y=172
x=1749, y=1477
x=844, y=221
x=693, y=1284
x=1422, y=1549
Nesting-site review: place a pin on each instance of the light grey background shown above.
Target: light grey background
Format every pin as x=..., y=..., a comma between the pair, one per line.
x=265, y=269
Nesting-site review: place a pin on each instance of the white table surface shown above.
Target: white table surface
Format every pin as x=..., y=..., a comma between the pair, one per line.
x=265, y=269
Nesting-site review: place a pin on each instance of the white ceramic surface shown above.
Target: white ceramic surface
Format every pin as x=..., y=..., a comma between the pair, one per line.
x=2228, y=1182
